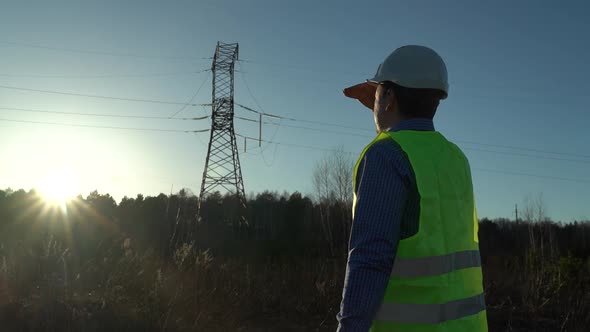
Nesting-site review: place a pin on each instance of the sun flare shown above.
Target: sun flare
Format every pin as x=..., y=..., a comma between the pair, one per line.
x=58, y=187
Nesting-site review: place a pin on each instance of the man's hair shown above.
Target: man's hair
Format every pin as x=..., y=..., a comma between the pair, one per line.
x=416, y=103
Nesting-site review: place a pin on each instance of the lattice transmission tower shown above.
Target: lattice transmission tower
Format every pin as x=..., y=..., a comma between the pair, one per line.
x=222, y=167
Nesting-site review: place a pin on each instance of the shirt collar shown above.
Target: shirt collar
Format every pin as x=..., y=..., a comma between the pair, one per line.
x=414, y=124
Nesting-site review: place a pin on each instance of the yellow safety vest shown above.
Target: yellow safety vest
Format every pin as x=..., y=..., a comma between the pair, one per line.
x=436, y=281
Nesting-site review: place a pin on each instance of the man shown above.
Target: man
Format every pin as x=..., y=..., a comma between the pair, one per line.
x=414, y=262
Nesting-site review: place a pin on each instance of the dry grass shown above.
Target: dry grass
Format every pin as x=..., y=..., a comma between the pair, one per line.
x=125, y=290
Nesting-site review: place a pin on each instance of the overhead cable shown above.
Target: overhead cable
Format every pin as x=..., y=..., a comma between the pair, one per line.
x=100, y=114
x=104, y=127
x=115, y=54
x=153, y=101
x=106, y=75
x=192, y=98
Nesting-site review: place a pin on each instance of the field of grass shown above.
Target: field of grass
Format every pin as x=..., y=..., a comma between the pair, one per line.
x=123, y=268
x=127, y=290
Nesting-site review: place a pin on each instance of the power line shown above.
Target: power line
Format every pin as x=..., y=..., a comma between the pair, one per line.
x=476, y=169
x=278, y=143
x=99, y=114
x=306, y=128
x=331, y=124
x=323, y=130
x=247, y=108
x=192, y=98
x=298, y=68
x=503, y=99
x=523, y=148
x=457, y=141
x=529, y=155
x=104, y=127
x=251, y=94
x=300, y=120
x=206, y=114
x=153, y=101
x=107, y=75
x=532, y=175
x=465, y=148
x=245, y=119
x=115, y=54
x=294, y=145
x=283, y=66
x=473, y=149
x=257, y=103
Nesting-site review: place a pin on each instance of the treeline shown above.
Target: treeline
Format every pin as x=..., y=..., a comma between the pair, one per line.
x=503, y=237
x=272, y=224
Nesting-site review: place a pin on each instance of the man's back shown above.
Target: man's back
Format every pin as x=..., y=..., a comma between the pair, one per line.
x=413, y=262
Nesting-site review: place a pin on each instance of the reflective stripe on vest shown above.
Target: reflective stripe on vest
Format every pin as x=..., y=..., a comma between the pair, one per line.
x=430, y=313
x=435, y=265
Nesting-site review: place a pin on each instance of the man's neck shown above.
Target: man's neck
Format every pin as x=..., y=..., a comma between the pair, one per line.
x=420, y=124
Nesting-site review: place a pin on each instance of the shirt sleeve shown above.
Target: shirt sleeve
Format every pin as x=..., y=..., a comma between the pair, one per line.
x=375, y=234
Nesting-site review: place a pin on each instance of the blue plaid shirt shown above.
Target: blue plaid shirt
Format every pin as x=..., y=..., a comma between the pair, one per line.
x=387, y=210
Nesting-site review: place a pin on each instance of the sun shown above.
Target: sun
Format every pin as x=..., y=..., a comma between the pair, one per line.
x=58, y=187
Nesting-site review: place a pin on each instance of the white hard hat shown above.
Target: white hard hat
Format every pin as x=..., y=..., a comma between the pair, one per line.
x=410, y=66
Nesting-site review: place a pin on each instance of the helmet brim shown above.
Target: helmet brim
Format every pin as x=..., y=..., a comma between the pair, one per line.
x=363, y=92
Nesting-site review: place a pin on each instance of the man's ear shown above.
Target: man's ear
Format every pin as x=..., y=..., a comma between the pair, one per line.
x=391, y=101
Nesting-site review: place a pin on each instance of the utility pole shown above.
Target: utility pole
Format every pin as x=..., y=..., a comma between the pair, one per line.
x=222, y=167
x=516, y=212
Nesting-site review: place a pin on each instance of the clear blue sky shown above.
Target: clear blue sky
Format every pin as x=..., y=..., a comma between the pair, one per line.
x=519, y=76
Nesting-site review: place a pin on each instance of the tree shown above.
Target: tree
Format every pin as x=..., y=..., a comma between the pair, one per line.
x=341, y=177
x=332, y=178
x=535, y=214
x=332, y=182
